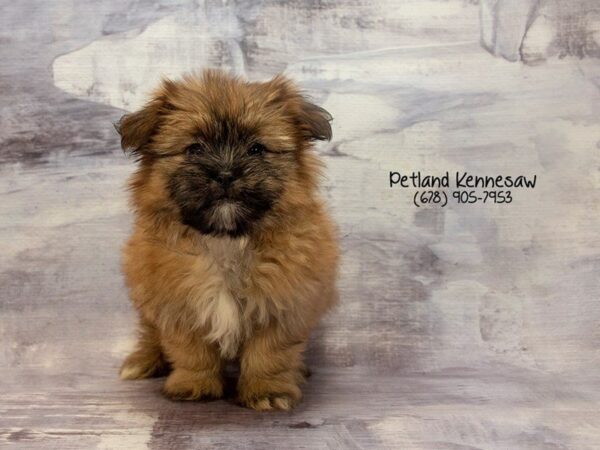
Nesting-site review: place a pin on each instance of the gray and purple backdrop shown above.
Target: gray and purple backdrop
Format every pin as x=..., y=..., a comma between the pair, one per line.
x=469, y=326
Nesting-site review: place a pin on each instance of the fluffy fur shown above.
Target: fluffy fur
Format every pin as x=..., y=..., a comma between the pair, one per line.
x=233, y=256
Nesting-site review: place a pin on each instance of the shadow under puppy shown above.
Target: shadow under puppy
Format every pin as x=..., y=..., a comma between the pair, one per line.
x=233, y=256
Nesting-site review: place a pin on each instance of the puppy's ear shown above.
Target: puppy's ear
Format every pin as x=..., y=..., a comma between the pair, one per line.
x=137, y=129
x=312, y=120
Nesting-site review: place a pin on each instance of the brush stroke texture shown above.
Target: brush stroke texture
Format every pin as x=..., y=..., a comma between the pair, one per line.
x=463, y=327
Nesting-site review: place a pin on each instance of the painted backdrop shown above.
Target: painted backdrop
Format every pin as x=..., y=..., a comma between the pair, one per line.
x=464, y=326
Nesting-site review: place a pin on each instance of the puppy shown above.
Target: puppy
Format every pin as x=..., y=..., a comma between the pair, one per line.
x=232, y=256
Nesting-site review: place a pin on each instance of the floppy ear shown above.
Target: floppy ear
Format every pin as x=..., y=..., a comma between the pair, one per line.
x=137, y=129
x=312, y=120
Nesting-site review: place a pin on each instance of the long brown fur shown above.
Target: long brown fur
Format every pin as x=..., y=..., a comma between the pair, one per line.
x=251, y=294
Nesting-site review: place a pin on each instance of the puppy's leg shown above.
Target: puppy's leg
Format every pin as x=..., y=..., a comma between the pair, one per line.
x=147, y=360
x=271, y=370
x=197, y=369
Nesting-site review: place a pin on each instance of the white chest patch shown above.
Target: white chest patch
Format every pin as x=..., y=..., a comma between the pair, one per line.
x=222, y=314
x=218, y=309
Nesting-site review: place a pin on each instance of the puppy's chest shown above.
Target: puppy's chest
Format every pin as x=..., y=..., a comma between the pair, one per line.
x=218, y=300
x=229, y=260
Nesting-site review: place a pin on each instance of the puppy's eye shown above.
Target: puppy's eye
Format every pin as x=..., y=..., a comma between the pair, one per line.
x=194, y=149
x=256, y=149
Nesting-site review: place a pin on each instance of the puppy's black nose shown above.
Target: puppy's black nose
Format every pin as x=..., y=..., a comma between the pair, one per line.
x=225, y=178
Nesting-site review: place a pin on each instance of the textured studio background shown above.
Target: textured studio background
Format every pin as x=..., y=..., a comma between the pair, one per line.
x=469, y=326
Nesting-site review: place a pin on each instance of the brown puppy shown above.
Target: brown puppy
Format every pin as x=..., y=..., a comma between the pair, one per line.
x=232, y=255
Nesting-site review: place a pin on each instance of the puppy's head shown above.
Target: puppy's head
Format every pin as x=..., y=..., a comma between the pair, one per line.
x=218, y=153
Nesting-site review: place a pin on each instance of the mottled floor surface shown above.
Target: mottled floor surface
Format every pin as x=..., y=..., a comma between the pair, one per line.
x=470, y=326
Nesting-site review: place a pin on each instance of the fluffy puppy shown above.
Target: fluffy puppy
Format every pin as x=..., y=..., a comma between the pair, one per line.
x=232, y=256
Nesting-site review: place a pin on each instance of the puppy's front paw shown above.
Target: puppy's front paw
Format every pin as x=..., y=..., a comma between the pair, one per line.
x=142, y=364
x=269, y=395
x=185, y=384
x=270, y=402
